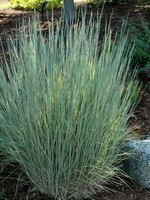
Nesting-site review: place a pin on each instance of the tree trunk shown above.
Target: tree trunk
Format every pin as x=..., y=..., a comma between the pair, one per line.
x=69, y=11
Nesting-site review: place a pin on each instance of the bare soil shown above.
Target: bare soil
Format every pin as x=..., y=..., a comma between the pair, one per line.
x=13, y=183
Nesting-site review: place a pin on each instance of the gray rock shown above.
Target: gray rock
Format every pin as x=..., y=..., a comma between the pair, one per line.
x=138, y=164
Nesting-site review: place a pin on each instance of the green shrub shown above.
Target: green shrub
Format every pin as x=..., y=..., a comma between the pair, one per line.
x=34, y=4
x=140, y=34
x=64, y=107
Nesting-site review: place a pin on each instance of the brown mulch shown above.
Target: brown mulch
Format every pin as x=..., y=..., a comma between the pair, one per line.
x=16, y=186
x=4, y=1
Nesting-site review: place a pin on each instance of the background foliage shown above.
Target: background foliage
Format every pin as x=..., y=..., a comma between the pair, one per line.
x=34, y=4
x=140, y=35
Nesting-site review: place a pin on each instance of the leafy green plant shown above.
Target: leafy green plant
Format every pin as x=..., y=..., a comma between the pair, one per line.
x=140, y=34
x=34, y=4
x=64, y=107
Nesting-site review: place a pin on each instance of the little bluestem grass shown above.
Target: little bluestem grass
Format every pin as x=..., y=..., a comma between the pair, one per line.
x=64, y=107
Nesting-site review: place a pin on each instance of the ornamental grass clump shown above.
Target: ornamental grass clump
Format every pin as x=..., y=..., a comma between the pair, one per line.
x=64, y=107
